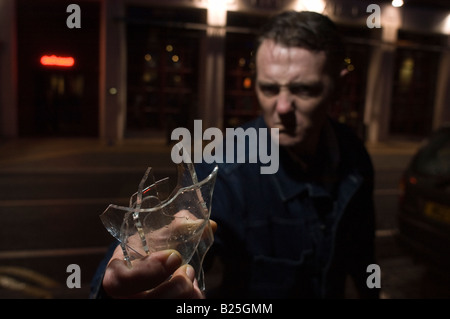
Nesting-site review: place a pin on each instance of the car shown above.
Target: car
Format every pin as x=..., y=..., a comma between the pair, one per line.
x=424, y=204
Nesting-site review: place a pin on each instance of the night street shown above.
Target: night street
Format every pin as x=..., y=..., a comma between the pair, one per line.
x=92, y=92
x=53, y=192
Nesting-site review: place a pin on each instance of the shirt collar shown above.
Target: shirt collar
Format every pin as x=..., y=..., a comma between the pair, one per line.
x=291, y=181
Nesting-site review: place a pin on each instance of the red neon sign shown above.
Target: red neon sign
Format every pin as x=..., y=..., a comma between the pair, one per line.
x=53, y=60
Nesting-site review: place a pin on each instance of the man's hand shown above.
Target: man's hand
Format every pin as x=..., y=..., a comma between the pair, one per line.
x=149, y=276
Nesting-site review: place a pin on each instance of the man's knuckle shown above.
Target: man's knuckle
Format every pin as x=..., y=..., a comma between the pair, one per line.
x=182, y=287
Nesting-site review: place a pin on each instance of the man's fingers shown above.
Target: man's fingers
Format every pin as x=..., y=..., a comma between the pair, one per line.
x=146, y=273
x=139, y=281
x=213, y=225
x=182, y=285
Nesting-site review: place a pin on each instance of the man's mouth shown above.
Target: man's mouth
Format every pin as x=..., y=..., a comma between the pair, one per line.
x=284, y=129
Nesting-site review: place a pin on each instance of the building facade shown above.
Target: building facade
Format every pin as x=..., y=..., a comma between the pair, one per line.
x=144, y=67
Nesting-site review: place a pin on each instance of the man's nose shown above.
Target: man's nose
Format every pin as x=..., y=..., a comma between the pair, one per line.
x=285, y=102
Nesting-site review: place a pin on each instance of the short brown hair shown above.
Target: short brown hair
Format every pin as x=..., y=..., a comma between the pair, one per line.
x=309, y=30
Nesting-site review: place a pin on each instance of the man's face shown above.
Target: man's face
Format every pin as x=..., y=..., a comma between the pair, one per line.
x=293, y=89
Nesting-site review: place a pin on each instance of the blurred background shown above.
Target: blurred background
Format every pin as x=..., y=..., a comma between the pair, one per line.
x=85, y=109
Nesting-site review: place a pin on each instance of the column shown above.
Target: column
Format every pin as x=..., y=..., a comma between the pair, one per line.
x=441, y=109
x=378, y=96
x=213, y=83
x=213, y=66
x=112, y=95
x=380, y=78
x=8, y=70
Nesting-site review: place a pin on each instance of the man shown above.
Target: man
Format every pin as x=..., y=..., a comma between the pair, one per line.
x=304, y=230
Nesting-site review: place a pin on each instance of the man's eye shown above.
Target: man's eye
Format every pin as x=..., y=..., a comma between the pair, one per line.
x=269, y=89
x=298, y=89
x=305, y=90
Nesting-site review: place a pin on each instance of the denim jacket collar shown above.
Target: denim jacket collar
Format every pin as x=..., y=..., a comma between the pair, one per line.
x=288, y=184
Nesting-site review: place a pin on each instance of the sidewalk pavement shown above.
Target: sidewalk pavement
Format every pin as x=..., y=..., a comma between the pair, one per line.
x=34, y=154
x=59, y=154
x=393, y=147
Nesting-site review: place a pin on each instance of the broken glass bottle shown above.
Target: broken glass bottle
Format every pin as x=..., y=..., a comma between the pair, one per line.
x=154, y=222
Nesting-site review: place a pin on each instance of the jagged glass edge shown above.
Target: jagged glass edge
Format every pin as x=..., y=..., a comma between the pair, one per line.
x=172, y=197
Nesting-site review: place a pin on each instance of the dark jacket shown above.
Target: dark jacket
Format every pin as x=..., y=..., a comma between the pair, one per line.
x=294, y=234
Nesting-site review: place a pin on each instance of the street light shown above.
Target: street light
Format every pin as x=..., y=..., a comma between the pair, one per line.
x=397, y=3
